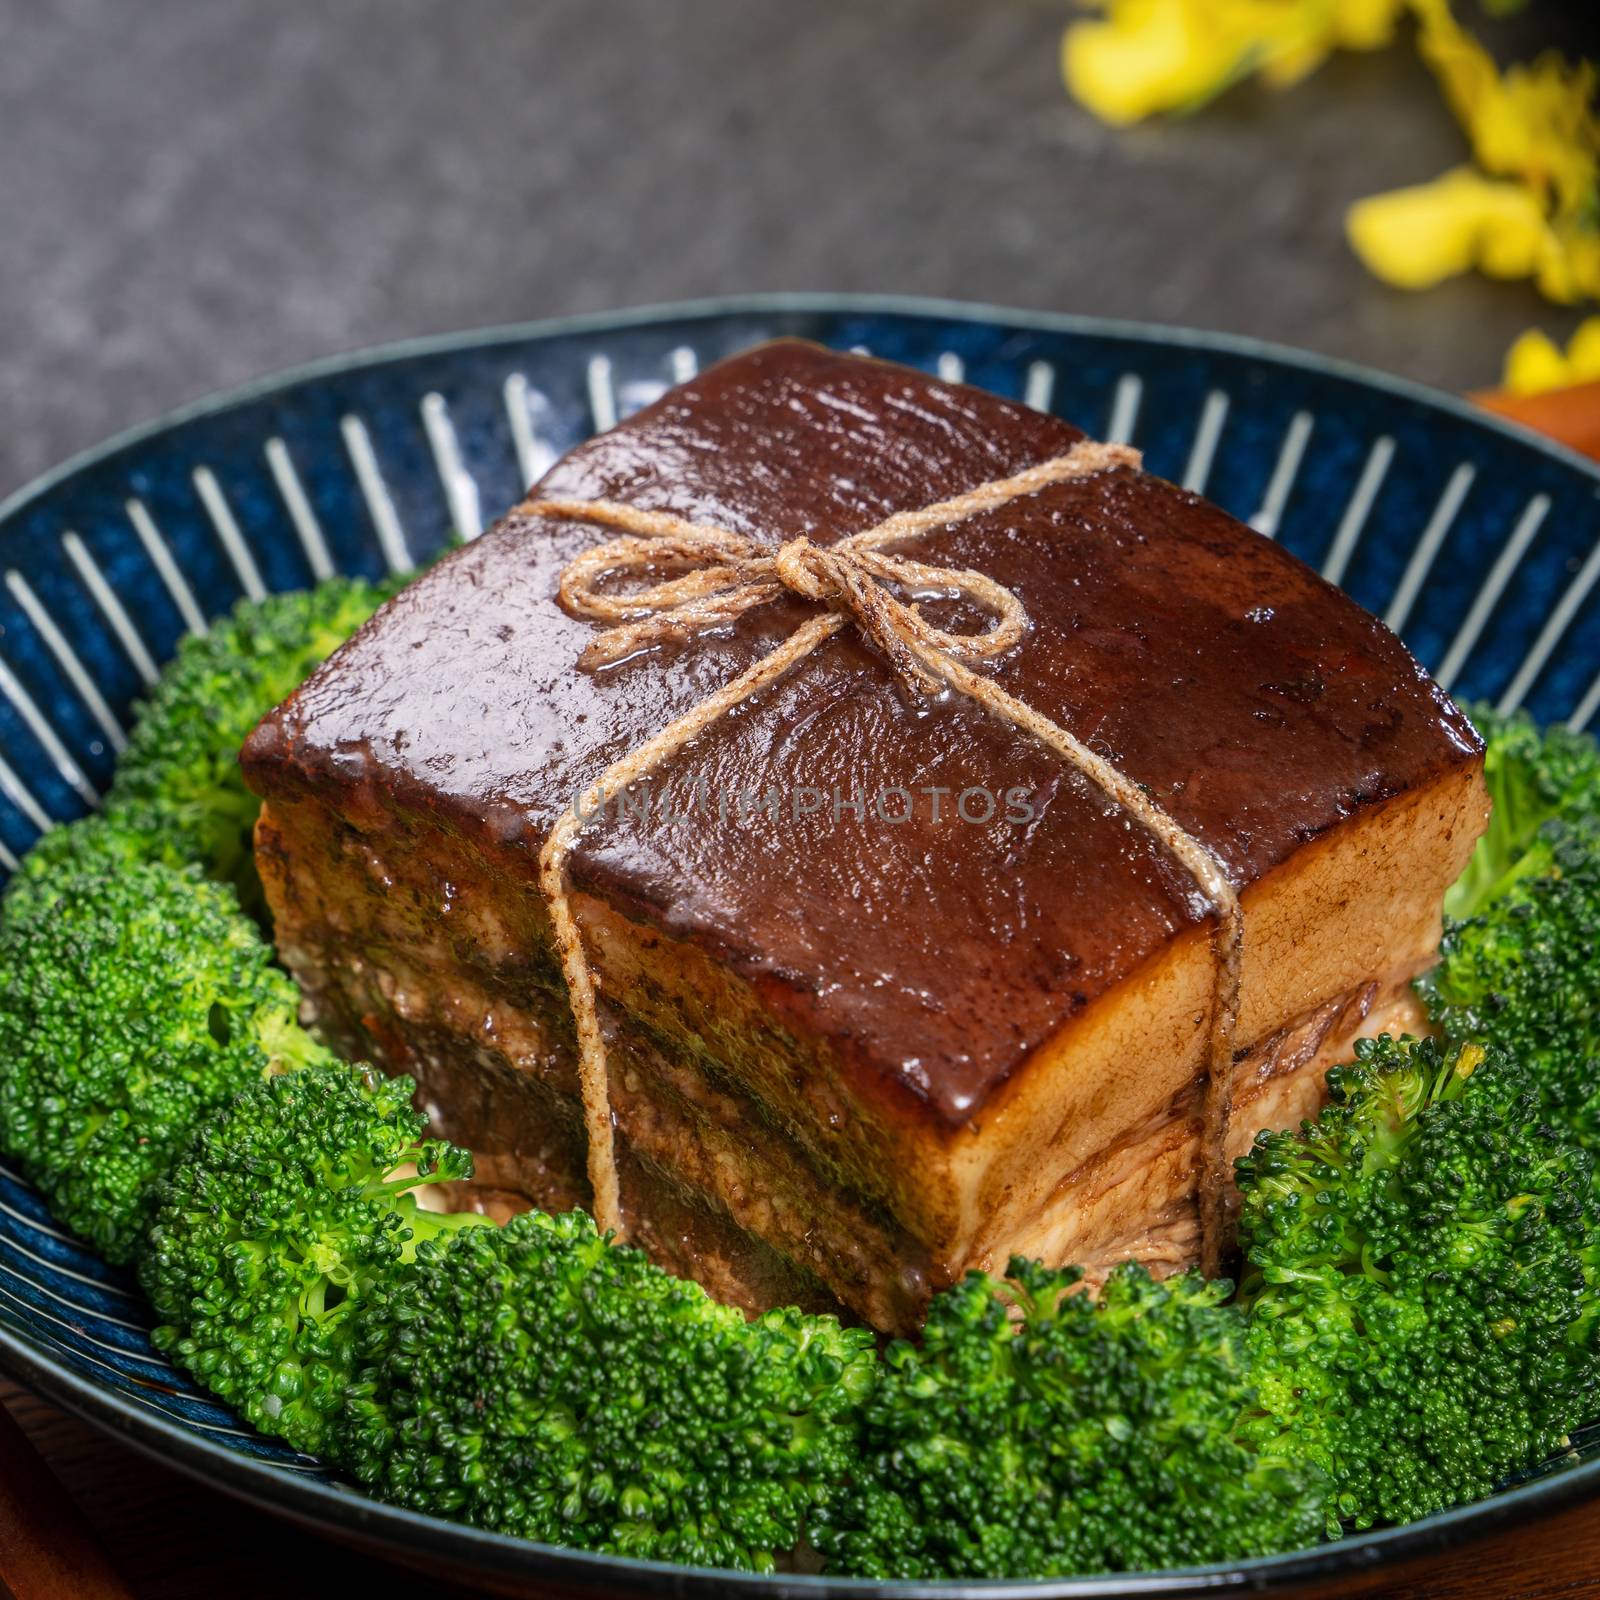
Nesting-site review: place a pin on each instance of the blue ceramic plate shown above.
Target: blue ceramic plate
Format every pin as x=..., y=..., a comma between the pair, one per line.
x=1477, y=542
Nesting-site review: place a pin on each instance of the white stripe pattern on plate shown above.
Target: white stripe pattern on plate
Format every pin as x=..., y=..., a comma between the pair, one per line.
x=1586, y=707
x=22, y=798
x=1482, y=607
x=60, y=1235
x=66, y=658
x=112, y=1289
x=1125, y=409
x=1427, y=547
x=44, y=731
x=1348, y=534
x=950, y=367
x=71, y=1305
x=684, y=364
x=380, y=505
x=104, y=596
x=145, y=1397
x=81, y=1336
x=1207, y=435
x=167, y=568
x=298, y=506
x=7, y=860
x=229, y=533
x=1281, y=484
x=1556, y=624
x=460, y=487
x=534, y=456
x=638, y=394
x=602, y=393
x=1039, y=387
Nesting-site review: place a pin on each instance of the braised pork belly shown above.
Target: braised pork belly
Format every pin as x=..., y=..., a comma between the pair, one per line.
x=856, y=1049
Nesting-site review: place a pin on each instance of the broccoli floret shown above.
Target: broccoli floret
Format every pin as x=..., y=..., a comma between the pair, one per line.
x=134, y=997
x=1526, y=973
x=137, y=996
x=178, y=782
x=1088, y=1436
x=542, y=1381
x=1421, y=1284
x=1524, y=967
x=91, y=844
x=273, y=1228
x=1534, y=777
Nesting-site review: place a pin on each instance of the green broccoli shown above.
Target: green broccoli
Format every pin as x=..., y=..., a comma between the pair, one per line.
x=1535, y=777
x=541, y=1381
x=1421, y=1282
x=178, y=781
x=1088, y=1436
x=69, y=849
x=1420, y=1315
x=288, y=1207
x=134, y=997
x=1523, y=968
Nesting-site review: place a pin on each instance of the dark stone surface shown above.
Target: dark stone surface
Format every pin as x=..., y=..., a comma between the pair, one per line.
x=195, y=193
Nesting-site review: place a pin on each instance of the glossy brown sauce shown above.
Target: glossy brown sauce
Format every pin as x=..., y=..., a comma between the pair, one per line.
x=1259, y=705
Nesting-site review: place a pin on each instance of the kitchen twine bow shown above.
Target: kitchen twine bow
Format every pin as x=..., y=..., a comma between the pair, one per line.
x=729, y=575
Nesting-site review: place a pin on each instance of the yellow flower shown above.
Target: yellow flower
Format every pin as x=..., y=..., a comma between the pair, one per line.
x=1530, y=210
x=1583, y=351
x=1536, y=362
x=1535, y=122
x=1302, y=34
x=1570, y=269
x=1535, y=129
x=1365, y=24
x=1417, y=237
x=1147, y=56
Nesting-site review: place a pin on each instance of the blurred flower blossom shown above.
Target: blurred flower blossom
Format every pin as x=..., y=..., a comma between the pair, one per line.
x=1140, y=57
x=1528, y=208
x=1419, y=236
x=1534, y=131
x=1536, y=362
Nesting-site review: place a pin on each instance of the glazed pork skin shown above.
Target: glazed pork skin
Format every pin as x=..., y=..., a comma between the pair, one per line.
x=933, y=1025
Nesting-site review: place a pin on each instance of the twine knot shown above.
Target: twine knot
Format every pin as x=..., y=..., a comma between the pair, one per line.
x=722, y=575
x=728, y=574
